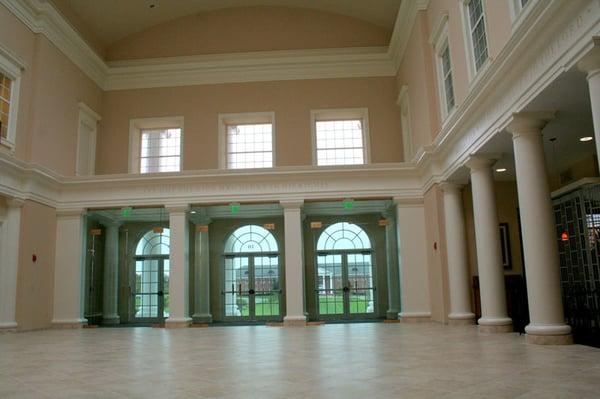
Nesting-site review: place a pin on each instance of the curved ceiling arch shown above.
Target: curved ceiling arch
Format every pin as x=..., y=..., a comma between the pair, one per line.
x=113, y=20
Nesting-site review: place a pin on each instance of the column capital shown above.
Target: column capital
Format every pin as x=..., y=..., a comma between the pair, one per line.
x=477, y=162
x=70, y=212
x=529, y=122
x=407, y=202
x=14, y=202
x=590, y=63
x=291, y=204
x=177, y=208
x=451, y=187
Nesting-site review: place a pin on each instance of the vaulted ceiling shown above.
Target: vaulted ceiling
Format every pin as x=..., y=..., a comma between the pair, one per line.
x=112, y=20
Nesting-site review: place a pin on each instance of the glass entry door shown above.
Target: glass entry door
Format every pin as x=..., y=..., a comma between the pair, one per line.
x=252, y=290
x=151, y=292
x=345, y=286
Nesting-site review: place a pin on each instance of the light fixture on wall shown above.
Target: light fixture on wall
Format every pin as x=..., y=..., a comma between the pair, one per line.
x=501, y=170
x=586, y=138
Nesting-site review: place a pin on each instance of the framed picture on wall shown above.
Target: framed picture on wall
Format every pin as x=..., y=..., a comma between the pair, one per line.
x=505, y=246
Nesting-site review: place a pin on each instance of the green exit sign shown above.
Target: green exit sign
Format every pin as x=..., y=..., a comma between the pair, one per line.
x=348, y=203
x=126, y=212
x=234, y=208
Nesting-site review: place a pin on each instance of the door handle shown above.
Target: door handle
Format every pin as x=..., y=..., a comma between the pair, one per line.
x=251, y=292
x=160, y=293
x=346, y=289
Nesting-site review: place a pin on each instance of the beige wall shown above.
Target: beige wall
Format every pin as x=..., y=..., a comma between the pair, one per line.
x=79, y=25
x=244, y=29
x=290, y=100
x=35, y=286
x=51, y=87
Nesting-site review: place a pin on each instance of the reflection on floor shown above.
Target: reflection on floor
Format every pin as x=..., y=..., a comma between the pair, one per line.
x=373, y=360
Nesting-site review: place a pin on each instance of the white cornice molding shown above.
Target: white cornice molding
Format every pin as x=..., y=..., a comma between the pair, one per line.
x=405, y=21
x=41, y=17
x=249, y=67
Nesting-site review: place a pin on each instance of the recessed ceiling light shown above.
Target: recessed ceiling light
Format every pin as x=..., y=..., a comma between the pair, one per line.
x=501, y=170
x=193, y=212
x=586, y=138
x=151, y=5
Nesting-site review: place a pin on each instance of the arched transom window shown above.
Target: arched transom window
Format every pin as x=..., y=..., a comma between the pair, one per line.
x=251, y=238
x=154, y=243
x=343, y=236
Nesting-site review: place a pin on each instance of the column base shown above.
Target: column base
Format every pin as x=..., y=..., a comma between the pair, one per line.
x=415, y=317
x=497, y=325
x=294, y=321
x=111, y=320
x=69, y=323
x=461, y=319
x=391, y=314
x=182, y=322
x=8, y=326
x=199, y=318
x=559, y=334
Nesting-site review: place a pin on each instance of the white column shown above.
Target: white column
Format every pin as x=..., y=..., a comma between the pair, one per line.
x=591, y=65
x=412, y=256
x=179, y=274
x=494, y=316
x=110, y=313
x=294, y=263
x=540, y=249
x=69, y=276
x=458, y=266
x=10, y=230
x=202, y=273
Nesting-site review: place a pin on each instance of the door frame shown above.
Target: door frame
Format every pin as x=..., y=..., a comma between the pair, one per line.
x=252, y=317
x=346, y=315
x=160, y=318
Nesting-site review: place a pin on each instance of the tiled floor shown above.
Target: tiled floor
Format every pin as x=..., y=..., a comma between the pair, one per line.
x=333, y=361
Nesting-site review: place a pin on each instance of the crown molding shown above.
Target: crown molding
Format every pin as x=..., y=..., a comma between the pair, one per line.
x=405, y=21
x=249, y=67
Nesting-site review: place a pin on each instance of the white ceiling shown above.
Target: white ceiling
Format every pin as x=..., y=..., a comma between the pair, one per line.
x=111, y=20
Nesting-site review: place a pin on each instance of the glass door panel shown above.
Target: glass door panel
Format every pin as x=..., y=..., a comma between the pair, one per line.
x=266, y=286
x=166, y=266
x=360, y=281
x=237, y=284
x=147, y=286
x=330, y=285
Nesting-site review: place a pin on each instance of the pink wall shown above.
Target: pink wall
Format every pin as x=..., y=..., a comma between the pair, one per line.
x=290, y=100
x=244, y=29
x=35, y=285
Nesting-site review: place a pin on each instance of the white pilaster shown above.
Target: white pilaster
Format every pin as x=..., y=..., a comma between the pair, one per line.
x=547, y=322
x=294, y=263
x=179, y=262
x=412, y=255
x=69, y=268
x=110, y=313
x=458, y=267
x=494, y=316
x=10, y=230
x=591, y=65
x=393, y=270
x=202, y=272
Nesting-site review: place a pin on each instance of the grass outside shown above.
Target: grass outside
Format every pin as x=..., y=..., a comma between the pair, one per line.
x=334, y=304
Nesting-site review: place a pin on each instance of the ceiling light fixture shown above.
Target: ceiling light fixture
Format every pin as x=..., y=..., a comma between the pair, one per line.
x=501, y=170
x=586, y=138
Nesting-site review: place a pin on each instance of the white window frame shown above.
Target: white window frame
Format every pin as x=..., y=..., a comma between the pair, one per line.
x=239, y=119
x=12, y=67
x=135, y=138
x=518, y=12
x=341, y=114
x=468, y=38
x=404, y=104
x=439, y=39
x=88, y=119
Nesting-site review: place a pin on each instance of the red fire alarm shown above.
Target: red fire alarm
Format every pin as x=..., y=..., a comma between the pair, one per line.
x=34, y=258
x=564, y=236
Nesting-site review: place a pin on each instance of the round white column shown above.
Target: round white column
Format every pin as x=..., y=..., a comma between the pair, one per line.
x=590, y=64
x=10, y=229
x=547, y=322
x=458, y=267
x=294, y=264
x=110, y=313
x=202, y=271
x=494, y=317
